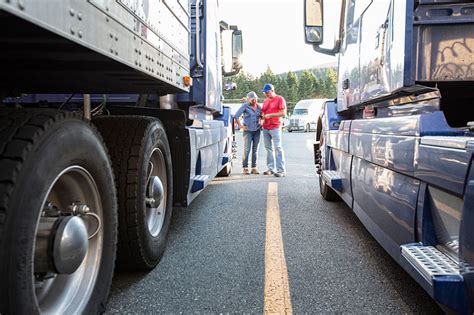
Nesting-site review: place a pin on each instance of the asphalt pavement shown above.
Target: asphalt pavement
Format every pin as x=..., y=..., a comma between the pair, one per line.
x=214, y=260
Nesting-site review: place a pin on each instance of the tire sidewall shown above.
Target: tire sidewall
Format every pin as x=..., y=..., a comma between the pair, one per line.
x=322, y=186
x=71, y=142
x=155, y=137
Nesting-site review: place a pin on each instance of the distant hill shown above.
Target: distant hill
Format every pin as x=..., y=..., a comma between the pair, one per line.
x=332, y=64
x=317, y=70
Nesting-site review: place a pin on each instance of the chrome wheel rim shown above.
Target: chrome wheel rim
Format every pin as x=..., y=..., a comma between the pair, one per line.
x=155, y=215
x=69, y=293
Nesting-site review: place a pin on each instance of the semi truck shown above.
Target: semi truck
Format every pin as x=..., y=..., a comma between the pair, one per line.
x=305, y=115
x=396, y=145
x=111, y=114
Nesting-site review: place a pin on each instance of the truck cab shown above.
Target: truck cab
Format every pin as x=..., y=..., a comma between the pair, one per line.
x=396, y=146
x=305, y=115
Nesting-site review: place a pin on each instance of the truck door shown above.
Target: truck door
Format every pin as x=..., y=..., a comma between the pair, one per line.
x=373, y=26
x=213, y=70
x=384, y=40
x=349, y=66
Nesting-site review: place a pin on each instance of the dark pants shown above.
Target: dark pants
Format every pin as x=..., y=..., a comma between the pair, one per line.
x=251, y=140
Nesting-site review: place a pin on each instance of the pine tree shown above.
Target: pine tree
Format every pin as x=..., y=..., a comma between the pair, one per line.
x=306, y=85
x=292, y=85
x=315, y=83
x=331, y=84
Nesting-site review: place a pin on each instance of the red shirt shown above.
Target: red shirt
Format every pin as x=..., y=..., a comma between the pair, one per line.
x=272, y=106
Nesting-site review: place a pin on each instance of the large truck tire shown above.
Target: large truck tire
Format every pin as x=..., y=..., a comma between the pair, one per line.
x=325, y=190
x=141, y=160
x=58, y=221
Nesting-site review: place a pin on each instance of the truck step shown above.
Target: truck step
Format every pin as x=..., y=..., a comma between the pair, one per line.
x=225, y=160
x=199, y=182
x=429, y=261
x=333, y=179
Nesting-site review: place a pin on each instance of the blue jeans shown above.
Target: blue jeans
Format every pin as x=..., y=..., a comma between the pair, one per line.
x=251, y=140
x=272, y=141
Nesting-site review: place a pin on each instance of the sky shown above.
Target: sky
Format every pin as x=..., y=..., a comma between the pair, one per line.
x=273, y=35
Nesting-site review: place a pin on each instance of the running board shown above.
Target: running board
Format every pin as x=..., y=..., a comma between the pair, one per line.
x=438, y=274
x=429, y=261
x=199, y=182
x=333, y=179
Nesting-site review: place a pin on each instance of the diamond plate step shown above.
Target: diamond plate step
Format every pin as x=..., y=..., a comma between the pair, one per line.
x=429, y=261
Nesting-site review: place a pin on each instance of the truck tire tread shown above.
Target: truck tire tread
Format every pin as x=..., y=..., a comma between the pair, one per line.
x=21, y=131
x=125, y=138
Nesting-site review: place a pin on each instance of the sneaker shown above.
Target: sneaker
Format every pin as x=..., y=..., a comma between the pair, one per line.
x=246, y=171
x=280, y=174
x=254, y=171
x=268, y=172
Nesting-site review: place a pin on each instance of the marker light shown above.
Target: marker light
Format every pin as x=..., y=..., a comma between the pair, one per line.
x=187, y=81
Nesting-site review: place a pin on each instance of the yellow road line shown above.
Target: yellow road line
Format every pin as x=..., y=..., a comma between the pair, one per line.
x=277, y=290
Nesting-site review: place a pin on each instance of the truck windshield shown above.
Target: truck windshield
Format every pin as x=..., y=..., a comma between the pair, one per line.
x=300, y=111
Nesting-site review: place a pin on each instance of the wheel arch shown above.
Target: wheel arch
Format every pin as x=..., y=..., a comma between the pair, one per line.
x=319, y=128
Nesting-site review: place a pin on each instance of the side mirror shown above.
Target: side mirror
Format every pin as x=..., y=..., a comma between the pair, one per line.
x=237, y=49
x=232, y=49
x=313, y=21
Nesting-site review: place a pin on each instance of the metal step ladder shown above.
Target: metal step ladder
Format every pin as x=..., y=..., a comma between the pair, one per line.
x=437, y=273
x=430, y=261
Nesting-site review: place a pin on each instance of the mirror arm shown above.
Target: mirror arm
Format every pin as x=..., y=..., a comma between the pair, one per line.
x=231, y=73
x=198, y=34
x=337, y=44
x=327, y=51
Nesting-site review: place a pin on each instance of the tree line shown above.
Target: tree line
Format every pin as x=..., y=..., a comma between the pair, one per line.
x=293, y=86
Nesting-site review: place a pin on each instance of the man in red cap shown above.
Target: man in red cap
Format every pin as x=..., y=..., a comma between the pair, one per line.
x=273, y=109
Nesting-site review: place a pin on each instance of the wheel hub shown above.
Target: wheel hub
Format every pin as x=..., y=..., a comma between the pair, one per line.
x=62, y=245
x=70, y=245
x=155, y=192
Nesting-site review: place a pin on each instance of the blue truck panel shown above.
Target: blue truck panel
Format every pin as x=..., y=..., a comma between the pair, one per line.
x=443, y=167
x=393, y=152
x=388, y=198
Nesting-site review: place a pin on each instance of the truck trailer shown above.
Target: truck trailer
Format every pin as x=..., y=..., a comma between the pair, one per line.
x=397, y=143
x=111, y=114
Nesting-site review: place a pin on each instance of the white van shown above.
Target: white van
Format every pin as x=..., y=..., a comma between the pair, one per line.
x=305, y=114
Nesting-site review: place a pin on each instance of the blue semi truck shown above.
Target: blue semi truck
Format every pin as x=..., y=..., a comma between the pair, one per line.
x=397, y=143
x=111, y=114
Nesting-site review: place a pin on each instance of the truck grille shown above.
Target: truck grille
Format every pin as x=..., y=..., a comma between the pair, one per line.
x=294, y=122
